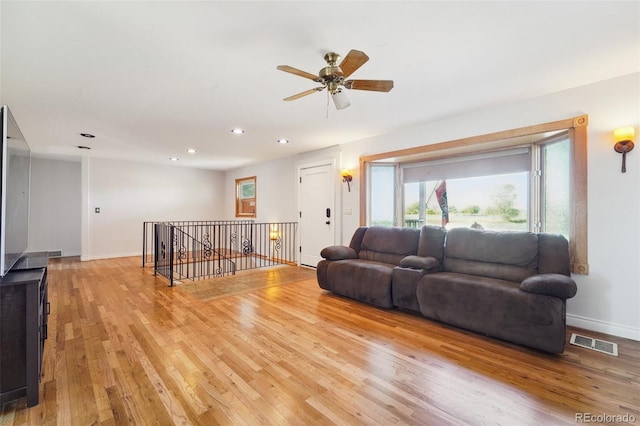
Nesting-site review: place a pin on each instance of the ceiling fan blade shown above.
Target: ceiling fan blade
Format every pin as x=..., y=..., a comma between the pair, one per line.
x=354, y=60
x=305, y=93
x=373, y=85
x=292, y=70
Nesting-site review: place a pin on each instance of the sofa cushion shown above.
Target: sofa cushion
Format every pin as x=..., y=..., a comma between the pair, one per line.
x=356, y=240
x=389, y=245
x=553, y=255
x=494, y=307
x=511, y=256
x=359, y=279
x=431, y=242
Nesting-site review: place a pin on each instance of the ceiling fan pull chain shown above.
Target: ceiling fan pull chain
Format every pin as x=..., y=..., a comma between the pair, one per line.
x=327, y=104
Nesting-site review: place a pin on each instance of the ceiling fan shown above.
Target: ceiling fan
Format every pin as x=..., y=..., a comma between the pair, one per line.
x=334, y=78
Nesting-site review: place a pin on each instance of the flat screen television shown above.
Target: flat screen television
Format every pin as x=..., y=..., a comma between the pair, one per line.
x=16, y=181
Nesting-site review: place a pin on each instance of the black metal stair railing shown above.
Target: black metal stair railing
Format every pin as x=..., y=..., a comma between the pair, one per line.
x=188, y=226
x=198, y=258
x=208, y=249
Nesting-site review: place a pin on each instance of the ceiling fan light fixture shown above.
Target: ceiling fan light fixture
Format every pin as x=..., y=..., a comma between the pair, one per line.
x=340, y=99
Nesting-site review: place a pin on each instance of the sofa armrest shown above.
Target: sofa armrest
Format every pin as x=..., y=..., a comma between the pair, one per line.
x=338, y=253
x=557, y=285
x=429, y=264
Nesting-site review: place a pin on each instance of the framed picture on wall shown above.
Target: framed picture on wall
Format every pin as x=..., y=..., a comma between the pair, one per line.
x=246, y=197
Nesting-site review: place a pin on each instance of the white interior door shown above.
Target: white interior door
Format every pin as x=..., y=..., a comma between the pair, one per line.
x=317, y=212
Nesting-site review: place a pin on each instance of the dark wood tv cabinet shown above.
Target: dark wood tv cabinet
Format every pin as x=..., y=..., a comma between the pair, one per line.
x=24, y=307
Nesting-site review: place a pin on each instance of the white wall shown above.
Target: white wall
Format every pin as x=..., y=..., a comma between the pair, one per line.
x=130, y=193
x=54, y=220
x=277, y=187
x=275, y=191
x=608, y=298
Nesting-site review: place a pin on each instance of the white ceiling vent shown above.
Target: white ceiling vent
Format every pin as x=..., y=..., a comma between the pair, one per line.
x=594, y=344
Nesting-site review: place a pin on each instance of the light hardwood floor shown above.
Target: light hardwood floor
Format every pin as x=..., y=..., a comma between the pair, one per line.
x=124, y=348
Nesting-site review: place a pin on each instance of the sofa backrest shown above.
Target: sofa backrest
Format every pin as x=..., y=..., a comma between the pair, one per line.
x=356, y=239
x=431, y=242
x=553, y=255
x=387, y=245
x=511, y=256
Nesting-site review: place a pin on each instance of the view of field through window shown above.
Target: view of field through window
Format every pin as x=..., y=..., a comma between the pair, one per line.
x=499, y=201
x=496, y=202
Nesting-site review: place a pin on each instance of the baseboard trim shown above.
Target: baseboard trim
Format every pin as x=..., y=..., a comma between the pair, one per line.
x=70, y=254
x=604, y=327
x=110, y=256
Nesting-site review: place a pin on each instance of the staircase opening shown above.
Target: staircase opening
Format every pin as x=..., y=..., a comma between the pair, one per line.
x=193, y=250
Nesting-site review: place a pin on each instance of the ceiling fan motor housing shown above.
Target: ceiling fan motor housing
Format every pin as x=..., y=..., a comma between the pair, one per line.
x=331, y=73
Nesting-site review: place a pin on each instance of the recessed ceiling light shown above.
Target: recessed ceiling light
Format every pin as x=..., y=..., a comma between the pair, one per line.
x=191, y=151
x=83, y=147
x=283, y=141
x=174, y=159
x=237, y=131
x=87, y=135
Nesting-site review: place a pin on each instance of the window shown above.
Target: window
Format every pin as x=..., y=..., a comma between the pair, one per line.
x=489, y=191
x=555, y=188
x=532, y=178
x=381, y=204
x=246, y=197
x=497, y=202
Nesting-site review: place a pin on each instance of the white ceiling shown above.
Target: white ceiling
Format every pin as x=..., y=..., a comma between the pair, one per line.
x=152, y=79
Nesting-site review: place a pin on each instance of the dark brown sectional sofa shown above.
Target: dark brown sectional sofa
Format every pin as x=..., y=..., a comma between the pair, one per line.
x=509, y=285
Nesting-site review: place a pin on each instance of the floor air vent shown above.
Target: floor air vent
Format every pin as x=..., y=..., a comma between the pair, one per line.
x=594, y=344
x=56, y=253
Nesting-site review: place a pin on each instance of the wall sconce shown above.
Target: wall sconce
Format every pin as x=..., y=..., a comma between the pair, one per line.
x=624, y=143
x=274, y=235
x=346, y=177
